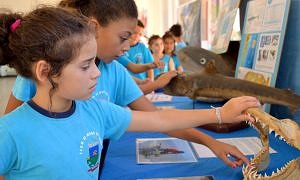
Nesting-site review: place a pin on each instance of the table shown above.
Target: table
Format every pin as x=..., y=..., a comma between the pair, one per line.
x=121, y=163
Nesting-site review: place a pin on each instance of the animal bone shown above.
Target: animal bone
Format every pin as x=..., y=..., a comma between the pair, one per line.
x=289, y=131
x=212, y=85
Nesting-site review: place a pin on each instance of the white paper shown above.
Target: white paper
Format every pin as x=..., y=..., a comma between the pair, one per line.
x=273, y=15
x=247, y=145
x=265, y=16
x=163, y=150
x=254, y=17
x=267, y=52
x=159, y=97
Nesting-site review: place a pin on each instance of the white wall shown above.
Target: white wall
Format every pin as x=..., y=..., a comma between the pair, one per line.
x=161, y=15
x=25, y=5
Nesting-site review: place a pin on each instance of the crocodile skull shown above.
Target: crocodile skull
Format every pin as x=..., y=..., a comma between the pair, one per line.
x=288, y=131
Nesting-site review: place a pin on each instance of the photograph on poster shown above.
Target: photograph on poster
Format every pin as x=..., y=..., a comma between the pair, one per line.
x=163, y=150
x=267, y=52
x=254, y=76
x=249, y=50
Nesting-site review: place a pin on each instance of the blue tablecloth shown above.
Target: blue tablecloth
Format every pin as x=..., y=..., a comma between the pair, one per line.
x=121, y=158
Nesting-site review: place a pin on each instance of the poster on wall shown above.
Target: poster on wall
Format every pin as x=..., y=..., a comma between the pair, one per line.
x=267, y=48
x=262, y=40
x=224, y=25
x=189, y=17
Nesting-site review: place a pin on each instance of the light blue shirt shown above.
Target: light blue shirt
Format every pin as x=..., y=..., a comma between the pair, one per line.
x=165, y=59
x=124, y=60
x=24, y=89
x=139, y=54
x=180, y=45
x=176, y=61
x=36, y=146
x=114, y=85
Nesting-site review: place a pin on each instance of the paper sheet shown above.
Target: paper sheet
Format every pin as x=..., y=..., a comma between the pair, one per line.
x=159, y=97
x=247, y=145
x=163, y=150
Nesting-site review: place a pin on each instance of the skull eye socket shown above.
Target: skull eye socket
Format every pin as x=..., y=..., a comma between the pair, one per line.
x=202, y=61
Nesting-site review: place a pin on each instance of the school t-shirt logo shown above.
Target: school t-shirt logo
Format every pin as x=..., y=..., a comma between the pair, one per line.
x=92, y=159
x=90, y=148
x=139, y=58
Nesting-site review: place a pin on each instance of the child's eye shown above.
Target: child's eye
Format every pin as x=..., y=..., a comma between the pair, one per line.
x=84, y=68
x=123, y=39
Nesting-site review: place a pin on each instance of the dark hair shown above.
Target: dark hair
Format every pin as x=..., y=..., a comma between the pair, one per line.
x=169, y=35
x=152, y=39
x=51, y=34
x=176, y=30
x=6, y=20
x=140, y=24
x=104, y=11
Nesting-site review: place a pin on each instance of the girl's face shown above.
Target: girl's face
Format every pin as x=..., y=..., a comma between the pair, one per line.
x=113, y=39
x=169, y=45
x=78, y=79
x=157, y=46
x=136, y=35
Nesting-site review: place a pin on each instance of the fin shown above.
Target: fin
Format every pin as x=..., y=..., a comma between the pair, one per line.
x=211, y=68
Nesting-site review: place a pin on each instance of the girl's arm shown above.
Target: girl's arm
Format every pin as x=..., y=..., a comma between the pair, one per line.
x=171, y=65
x=150, y=74
x=12, y=104
x=138, y=68
x=179, y=69
x=220, y=149
x=159, y=82
x=170, y=120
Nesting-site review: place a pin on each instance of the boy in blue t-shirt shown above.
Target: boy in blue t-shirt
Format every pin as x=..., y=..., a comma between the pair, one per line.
x=138, y=53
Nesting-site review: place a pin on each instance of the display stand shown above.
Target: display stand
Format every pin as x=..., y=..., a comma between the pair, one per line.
x=262, y=41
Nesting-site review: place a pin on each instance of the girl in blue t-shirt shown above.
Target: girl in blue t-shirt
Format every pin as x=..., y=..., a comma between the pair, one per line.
x=57, y=49
x=157, y=47
x=169, y=49
x=115, y=85
x=176, y=30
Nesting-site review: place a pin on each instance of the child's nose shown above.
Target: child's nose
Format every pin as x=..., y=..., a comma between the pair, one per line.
x=96, y=72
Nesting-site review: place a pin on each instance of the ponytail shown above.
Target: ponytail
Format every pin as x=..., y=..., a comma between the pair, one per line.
x=7, y=20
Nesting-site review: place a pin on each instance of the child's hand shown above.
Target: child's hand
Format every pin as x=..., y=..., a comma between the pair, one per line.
x=234, y=109
x=230, y=154
x=165, y=78
x=145, y=81
x=158, y=64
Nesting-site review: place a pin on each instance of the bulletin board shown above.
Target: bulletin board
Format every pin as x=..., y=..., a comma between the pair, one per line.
x=262, y=41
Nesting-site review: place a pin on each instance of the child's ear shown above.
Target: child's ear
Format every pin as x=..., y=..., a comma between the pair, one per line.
x=42, y=69
x=93, y=23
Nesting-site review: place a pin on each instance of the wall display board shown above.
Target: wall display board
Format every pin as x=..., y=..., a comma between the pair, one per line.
x=190, y=20
x=224, y=26
x=262, y=41
x=288, y=73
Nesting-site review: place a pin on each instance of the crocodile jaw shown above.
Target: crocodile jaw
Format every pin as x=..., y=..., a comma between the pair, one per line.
x=285, y=129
